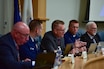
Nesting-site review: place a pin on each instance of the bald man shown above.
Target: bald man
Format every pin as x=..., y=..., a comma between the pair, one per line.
x=9, y=58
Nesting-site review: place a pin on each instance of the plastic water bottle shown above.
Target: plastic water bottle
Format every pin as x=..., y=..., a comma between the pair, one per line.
x=59, y=51
x=58, y=57
x=44, y=51
x=98, y=49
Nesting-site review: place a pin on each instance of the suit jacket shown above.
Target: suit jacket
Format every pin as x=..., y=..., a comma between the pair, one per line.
x=85, y=37
x=29, y=50
x=49, y=42
x=9, y=54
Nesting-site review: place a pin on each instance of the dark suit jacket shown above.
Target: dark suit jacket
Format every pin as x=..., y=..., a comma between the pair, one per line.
x=9, y=54
x=85, y=37
x=49, y=42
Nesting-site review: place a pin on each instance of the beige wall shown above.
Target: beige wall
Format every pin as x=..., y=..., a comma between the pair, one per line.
x=6, y=16
x=67, y=10
x=62, y=9
x=55, y=9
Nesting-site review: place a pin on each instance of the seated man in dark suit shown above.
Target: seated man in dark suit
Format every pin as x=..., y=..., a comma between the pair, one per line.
x=54, y=38
x=9, y=45
x=91, y=35
x=32, y=47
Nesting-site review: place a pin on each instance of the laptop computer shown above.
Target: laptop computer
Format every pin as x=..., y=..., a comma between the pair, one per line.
x=101, y=43
x=67, y=49
x=92, y=48
x=45, y=60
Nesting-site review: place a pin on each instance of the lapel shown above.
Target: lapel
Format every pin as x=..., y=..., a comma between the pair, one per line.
x=13, y=47
x=88, y=38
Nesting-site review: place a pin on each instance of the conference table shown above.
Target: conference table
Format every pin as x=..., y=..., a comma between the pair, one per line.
x=79, y=62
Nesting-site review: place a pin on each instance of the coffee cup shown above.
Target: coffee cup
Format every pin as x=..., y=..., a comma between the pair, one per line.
x=102, y=49
x=84, y=54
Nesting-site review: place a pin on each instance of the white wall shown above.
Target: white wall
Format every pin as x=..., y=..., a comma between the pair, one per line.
x=56, y=9
x=1, y=16
x=96, y=12
x=62, y=9
x=6, y=15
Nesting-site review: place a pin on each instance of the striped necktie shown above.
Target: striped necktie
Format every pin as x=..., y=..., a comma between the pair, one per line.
x=94, y=41
x=18, y=56
x=59, y=42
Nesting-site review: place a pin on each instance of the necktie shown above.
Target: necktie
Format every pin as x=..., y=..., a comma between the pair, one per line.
x=36, y=45
x=59, y=42
x=18, y=56
x=94, y=40
x=17, y=47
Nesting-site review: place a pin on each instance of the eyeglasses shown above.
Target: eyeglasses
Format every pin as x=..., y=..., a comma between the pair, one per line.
x=74, y=27
x=93, y=28
x=25, y=35
x=61, y=30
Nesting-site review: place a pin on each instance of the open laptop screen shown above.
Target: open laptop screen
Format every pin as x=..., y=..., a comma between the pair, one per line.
x=92, y=47
x=45, y=60
x=68, y=49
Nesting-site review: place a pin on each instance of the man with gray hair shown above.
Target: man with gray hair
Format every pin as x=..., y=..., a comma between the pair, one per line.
x=91, y=35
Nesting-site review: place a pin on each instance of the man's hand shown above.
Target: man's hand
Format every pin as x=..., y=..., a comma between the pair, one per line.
x=27, y=59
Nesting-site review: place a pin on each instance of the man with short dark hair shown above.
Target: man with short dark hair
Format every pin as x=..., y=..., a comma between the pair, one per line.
x=53, y=39
x=71, y=34
x=32, y=47
x=71, y=37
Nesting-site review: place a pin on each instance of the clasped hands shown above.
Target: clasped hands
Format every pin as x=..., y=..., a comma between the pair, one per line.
x=79, y=46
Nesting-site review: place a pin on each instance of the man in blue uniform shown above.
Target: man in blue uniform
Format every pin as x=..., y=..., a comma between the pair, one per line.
x=32, y=47
x=72, y=37
x=71, y=34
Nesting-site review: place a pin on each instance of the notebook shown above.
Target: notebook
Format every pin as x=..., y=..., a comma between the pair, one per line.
x=92, y=47
x=45, y=60
x=67, y=49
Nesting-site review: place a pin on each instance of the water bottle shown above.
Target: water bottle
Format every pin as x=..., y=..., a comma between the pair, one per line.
x=59, y=51
x=98, y=49
x=44, y=51
x=58, y=57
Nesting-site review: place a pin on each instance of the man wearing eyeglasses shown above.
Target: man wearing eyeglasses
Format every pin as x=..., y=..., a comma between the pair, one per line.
x=53, y=39
x=9, y=46
x=90, y=36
